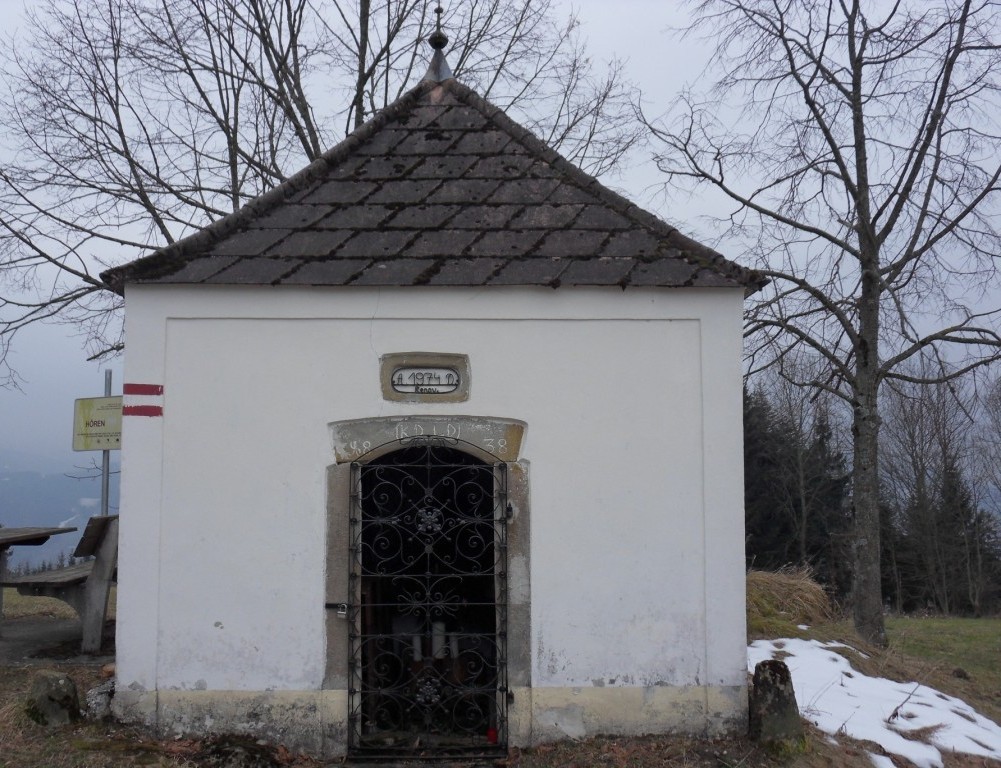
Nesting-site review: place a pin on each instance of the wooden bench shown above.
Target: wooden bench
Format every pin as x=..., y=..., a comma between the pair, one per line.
x=85, y=586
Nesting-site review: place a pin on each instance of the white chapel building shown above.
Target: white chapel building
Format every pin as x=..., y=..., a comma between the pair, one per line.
x=433, y=450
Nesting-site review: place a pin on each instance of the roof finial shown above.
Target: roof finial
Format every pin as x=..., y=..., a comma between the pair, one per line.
x=439, y=70
x=437, y=39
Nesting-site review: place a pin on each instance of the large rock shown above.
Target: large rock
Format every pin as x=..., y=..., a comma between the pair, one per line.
x=53, y=699
x=98, y=701
x=774, y=716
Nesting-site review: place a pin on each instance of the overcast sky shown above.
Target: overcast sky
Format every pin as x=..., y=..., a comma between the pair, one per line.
x=51, y=361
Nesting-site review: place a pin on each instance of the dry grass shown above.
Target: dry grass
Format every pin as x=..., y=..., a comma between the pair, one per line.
x=25, y=744
x=17, y=606
x=778, y=603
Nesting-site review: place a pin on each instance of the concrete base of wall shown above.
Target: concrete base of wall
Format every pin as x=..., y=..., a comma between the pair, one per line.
x=314, y=721
x=541, y=715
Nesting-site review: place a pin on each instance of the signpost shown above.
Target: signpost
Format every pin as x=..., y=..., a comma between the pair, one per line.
x=97, y=426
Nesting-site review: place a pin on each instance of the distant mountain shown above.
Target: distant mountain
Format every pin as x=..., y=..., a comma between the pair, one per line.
x=50, y=498
x=20, y=461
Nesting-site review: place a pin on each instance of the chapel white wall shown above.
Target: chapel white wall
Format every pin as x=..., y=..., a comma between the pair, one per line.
x=632, y=400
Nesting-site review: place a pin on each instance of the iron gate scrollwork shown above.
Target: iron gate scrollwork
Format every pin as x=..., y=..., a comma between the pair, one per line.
x=428, y=650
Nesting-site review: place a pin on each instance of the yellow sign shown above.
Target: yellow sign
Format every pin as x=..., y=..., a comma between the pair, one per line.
x=97, y=424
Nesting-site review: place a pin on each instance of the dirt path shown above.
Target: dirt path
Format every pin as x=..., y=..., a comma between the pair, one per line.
x=33, y=641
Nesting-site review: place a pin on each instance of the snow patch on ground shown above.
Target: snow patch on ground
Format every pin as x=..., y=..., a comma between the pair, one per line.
x=907, y=719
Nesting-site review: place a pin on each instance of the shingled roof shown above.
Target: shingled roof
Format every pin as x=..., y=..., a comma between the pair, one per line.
x=440, y=188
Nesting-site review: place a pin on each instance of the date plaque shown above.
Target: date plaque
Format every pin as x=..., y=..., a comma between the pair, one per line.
x=425, y=377
x=425, y=380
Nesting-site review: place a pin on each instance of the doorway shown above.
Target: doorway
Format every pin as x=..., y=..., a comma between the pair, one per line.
x=427, y=644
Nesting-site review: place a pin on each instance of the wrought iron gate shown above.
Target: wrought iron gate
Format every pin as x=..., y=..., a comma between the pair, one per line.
x=429, y=610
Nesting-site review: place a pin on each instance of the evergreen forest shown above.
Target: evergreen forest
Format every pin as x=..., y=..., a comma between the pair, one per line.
x=940, y=492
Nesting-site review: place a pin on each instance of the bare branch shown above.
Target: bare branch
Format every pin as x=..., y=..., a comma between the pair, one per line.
x=860, y=145
x=131, y=123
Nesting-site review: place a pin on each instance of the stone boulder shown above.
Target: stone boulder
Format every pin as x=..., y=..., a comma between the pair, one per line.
x=53, y=699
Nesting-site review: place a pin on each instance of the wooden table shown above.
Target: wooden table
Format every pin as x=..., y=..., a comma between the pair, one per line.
x=24, y=537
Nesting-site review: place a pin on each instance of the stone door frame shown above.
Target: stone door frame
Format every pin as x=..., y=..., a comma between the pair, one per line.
x=490, y=439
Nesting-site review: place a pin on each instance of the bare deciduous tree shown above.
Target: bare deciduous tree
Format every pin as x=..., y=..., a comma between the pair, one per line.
x=131, y=122
x=860, y=145
x=936, y=485
x=925, y=428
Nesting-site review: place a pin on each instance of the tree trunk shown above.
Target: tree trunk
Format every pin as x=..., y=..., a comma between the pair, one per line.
x=867, y=592
x=803, y=513
x=867, y=597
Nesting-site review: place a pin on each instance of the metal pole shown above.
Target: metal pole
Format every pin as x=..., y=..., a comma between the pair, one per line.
x=105, y=455
x=3, y=572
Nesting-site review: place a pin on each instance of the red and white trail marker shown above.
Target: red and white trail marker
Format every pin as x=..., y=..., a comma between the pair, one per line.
x=142, y=400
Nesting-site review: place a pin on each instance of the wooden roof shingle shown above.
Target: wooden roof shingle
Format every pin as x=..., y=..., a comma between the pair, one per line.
x=440, y=188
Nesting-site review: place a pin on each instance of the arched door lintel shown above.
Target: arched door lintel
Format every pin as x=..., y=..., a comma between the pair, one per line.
x=470, y=449
x=486, y=437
